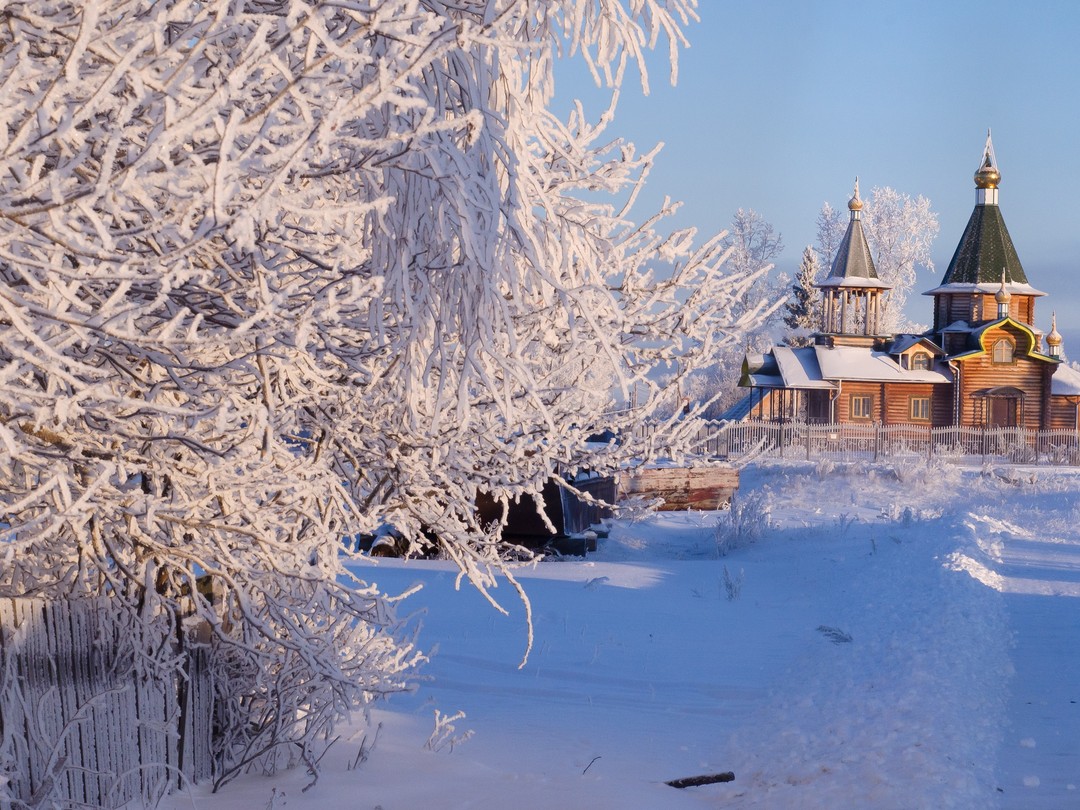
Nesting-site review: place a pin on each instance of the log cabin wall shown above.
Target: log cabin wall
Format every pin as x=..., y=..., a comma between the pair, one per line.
x=1021, y=308
x=898, y=403
x=851, y=390
x=952, y=308
x=1064, y=413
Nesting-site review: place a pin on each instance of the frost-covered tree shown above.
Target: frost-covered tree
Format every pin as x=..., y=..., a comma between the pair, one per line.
x=753, y=244
x=899, y=230
x=801, y=309
x=275, y=272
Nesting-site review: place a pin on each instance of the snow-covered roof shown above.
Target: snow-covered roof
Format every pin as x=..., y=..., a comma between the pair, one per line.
x=958, y=326
x=762, y=380
x=987, y=288
x=1065, y=382
x=799, y=367
x=864, y=364
x=904, y=342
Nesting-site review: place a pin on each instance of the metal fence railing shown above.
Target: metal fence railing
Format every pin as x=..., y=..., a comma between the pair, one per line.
x=849, y=442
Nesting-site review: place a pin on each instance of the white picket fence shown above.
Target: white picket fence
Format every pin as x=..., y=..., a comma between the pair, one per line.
x=735, y=441
x=97, y=710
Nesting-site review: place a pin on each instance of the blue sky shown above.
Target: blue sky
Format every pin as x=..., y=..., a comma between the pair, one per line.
x=779, y=106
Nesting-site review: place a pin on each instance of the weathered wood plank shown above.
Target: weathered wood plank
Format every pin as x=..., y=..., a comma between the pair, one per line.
x=682, y=488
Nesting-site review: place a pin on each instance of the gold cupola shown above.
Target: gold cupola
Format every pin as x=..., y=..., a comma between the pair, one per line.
x=1053, y=340
x=855, y=203
x=1003, y=297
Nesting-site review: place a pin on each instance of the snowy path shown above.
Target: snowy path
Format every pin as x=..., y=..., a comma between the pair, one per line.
x=1037, y=567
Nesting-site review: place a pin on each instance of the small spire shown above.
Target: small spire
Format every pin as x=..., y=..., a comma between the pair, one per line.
x=855, y=204
x=1002, y=297
x=1053, y=340
x=988, y=175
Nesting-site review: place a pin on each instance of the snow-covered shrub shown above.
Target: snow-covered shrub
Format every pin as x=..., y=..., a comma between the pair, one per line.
x=746, y=520
x=824, y=468
x=445, y=735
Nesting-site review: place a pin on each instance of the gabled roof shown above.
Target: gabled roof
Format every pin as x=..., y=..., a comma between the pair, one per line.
x=901, y=343
x=866, y=365
x=799, y=367
x=783, y=367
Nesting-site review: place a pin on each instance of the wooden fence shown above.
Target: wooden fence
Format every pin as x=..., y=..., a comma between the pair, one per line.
x=97, y=710
x=736, y=441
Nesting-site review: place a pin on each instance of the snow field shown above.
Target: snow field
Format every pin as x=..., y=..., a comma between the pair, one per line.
x=949, y=693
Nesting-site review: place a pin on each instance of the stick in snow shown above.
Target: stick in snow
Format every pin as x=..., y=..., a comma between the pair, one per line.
x=707, y=779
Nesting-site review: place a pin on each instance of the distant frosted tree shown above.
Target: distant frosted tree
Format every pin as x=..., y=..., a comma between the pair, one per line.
x=754, y=244
x=899, y=230
x=801, y=309
x=276, y=272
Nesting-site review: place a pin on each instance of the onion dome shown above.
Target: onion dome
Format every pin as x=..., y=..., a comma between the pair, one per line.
x=1002, y=296
x=987, y=176
x=1053, y=340
x=855, y=204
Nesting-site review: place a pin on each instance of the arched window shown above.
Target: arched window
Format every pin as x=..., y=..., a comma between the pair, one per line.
x=920, y=361
x=1003, y=351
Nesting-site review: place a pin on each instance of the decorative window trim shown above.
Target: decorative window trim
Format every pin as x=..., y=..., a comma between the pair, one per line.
x=919, y=409
x=920, y=361
x=862, y=406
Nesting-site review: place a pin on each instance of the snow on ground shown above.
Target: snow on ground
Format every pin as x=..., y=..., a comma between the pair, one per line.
x=901, y=636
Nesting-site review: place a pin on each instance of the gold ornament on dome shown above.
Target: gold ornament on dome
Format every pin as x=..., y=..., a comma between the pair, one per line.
x=987, y=176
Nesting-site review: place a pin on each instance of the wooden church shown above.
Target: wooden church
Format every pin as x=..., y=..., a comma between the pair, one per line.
x=983, y=363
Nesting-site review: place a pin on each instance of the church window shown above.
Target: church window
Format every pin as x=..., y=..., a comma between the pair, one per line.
x=1003, y=351
x=920, y=409
x=861, y=406
x=920, y=361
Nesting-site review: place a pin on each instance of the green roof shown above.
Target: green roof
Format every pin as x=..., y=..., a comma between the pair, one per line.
x=984, y=251
x=853, y=265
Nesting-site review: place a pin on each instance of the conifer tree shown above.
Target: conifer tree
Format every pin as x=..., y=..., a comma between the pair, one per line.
x=800, y=309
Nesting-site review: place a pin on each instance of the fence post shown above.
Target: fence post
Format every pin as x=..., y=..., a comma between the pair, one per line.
x=807, y=441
